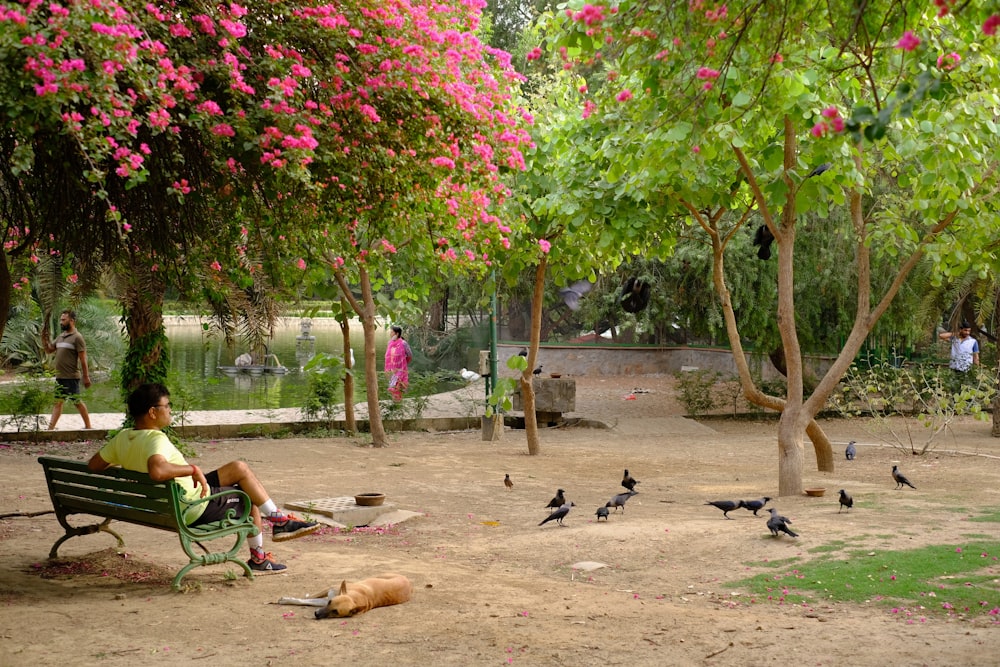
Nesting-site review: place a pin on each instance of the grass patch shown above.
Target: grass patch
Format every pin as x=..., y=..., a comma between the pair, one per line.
x=958, y=581
x=990, y=517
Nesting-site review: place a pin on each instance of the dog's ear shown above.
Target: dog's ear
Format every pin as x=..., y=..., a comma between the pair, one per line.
x=343, y=587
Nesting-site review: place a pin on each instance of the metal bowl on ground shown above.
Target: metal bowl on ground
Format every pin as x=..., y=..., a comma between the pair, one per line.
x=816, y=492
x=369, y=499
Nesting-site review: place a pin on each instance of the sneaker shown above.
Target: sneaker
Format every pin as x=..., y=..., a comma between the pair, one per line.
x=265, y=564
x=291, y=527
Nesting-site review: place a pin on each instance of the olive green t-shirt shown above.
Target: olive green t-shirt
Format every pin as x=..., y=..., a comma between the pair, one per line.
x=69, y=345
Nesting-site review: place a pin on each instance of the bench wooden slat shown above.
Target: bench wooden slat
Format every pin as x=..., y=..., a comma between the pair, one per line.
x=132, y=497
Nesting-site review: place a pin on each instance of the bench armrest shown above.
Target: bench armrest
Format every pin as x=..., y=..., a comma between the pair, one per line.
x=231, y=517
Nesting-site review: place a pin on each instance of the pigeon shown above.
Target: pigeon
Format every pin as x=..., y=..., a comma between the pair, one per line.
x=900, y=479
x=572, y=294
x=507, y=482
x=620, y=500
x=821, y=169
x=726, y=506
x=558, y=501
x=628, y=481
x=470, y=376
x=850, y=452
x=558, y=515
x=777, y=523
x=754, y=505
x=763, y=238
x=602, y=512
x=845, y=501
x=537, y=371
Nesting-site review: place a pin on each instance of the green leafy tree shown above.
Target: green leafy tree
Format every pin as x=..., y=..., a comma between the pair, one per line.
x=776, y=109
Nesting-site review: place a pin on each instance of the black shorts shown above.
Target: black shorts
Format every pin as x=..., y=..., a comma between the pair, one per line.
x=68, y=388
x=216, y=509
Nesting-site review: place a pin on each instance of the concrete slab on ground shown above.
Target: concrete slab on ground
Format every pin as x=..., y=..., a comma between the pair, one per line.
x=343, y=510
x=665, y=426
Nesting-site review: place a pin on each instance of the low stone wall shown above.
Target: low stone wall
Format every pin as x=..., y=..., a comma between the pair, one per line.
x=597, y=360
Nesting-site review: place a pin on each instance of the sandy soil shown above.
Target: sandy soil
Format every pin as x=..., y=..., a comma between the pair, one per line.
x=494, y=588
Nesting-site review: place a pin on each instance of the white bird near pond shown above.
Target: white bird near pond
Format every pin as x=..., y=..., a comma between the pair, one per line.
x=469, y=376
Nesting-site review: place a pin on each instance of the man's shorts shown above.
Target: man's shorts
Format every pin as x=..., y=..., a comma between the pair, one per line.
x=217, y=508
x=68, y=389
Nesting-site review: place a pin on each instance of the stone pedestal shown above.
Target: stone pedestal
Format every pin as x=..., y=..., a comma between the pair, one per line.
x=553, y=397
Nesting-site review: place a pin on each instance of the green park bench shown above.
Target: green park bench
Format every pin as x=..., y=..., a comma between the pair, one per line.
x=132, y=497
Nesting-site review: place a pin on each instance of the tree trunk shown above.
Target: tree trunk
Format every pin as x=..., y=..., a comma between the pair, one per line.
x=366, y=313
x=790, y=454
x=147, y=357
x=438, y=314
x=345, y=332
x=6, y=287
x=527, y=388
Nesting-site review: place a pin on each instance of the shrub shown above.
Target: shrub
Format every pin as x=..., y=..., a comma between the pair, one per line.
x=23, y=403
x=695, y=390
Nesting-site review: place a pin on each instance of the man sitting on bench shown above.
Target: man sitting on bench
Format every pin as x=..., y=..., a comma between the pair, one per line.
x=147, y=449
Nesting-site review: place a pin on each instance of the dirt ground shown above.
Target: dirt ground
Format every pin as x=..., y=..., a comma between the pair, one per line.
x=492, y=587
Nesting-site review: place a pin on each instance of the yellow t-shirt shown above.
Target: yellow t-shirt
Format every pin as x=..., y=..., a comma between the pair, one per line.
x=132, y=448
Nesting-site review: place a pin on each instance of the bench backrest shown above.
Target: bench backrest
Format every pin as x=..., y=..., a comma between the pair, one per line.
x=115, y=492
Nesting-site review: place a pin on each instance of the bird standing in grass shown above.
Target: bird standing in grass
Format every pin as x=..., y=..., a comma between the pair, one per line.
x=508, y=482
x=628, y=481
x=726, y=506
x=777, y=523
x=900, y=479
x=845, y=501
x=558, y=515
x=850, y=452
x=558, y=501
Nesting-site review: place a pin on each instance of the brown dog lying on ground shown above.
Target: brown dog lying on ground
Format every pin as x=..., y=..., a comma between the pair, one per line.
x=359, y=597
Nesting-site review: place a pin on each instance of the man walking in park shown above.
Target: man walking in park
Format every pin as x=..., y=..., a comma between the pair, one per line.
x=71, y=366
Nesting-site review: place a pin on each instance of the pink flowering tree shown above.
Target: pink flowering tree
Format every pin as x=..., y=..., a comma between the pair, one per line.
x=226, y=149
x=729, y=116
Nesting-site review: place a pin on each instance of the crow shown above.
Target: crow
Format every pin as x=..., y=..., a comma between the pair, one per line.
x=620, y=500
x=572, y=294
x=558, y=501
x=821, y=169
x=754, y=505
x=726, y=506
x=628, y=482
x=507, y=482
x=602, y=512
x=558, y=515
x=635, y=295
x=845, y=501
x=763, y=238
x=777, y=523
x=850, y=452
x=523, y=352
x=900, y=479
x=537, y=371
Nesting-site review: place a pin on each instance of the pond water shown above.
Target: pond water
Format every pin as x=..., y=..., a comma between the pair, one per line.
x=197, y=382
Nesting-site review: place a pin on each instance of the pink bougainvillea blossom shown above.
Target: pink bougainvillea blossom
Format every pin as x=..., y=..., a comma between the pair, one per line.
x=991, y=24
x=624, y=96
x=544, y=245
x=908, y=41
x=301, y=263
x=948, y=61
x=216, y=266
x=534, y=54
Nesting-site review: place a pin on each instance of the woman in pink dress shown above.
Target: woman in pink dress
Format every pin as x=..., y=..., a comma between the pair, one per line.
x=398, y=355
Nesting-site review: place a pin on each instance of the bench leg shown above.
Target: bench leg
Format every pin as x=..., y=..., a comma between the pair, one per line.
x=71, y=531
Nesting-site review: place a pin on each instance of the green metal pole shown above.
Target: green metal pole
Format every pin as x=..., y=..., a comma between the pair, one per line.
x=491, y=379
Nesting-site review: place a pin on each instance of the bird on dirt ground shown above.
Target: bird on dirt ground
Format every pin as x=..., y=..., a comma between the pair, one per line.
x=537, y=371
x=845, y=501
x=558, y=501
x=507, y=482
x=620, y=500
x=602, y=512
x=523, y=352
x=900, y=478
x=469, y=376
x=558, y=515
x=726, y=506
x=628, y=481
x=777, y=523
x=754, y=505
x=850, y=452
